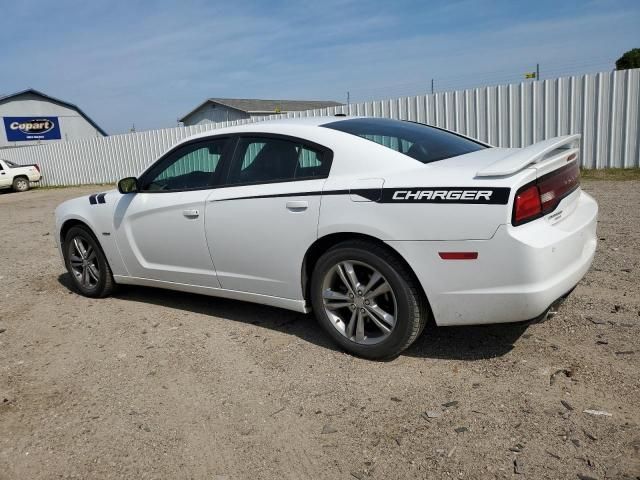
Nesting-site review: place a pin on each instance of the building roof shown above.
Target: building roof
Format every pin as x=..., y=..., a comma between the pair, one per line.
x=54, y=100
x=254, y=105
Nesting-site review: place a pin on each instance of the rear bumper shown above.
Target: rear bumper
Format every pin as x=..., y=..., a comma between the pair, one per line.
x=519, y=273
x=552, y=310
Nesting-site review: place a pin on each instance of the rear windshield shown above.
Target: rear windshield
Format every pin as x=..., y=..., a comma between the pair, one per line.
x=422, y=142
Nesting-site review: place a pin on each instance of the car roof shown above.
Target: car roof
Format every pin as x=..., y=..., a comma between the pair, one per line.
x=269, y=124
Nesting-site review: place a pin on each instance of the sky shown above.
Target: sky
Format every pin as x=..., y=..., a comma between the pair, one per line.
x=147, y=63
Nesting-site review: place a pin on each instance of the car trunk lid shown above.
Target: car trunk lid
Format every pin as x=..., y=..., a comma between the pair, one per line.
x=557, y=176
x=541, y=175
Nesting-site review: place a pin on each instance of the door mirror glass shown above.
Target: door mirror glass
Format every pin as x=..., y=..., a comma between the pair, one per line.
x=128, y=185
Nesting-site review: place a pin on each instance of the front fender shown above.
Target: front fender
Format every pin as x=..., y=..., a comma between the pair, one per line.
x=99, y=218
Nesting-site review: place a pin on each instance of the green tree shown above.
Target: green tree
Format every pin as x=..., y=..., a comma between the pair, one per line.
x=630, y=59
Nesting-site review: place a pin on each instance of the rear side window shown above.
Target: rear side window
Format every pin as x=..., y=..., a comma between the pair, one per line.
x=421, y=142
x=264, y=160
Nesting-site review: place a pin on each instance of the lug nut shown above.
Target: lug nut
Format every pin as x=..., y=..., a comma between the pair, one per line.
x=362, y=310
x=351, y=295
x=353, y=306
x=359, y=292
x=367, y=302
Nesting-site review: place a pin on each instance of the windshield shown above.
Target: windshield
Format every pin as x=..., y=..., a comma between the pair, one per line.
x=11, y=164
x=421, y=142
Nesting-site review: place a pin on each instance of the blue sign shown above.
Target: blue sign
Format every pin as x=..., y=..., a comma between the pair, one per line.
x=24, y=129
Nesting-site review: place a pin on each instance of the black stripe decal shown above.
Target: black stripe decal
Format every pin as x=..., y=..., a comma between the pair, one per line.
x=282, y=195
x=275, y=195
x=460, y=195
x=97, y=198
x=372, y=194
x=471, y=195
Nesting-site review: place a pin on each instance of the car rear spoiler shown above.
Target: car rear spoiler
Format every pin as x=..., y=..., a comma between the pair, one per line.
x=528, y=155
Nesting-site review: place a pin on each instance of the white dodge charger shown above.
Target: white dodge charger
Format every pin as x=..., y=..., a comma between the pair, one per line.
x=376, y=225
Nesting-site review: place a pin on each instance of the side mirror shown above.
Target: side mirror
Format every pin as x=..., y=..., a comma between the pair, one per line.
x=128, y=185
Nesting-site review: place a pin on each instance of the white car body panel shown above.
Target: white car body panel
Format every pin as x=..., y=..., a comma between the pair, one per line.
x=101, y=222
x=162, y=237
x=295, y=305
x=249, y=242
x=258, y=244
x=518, y=273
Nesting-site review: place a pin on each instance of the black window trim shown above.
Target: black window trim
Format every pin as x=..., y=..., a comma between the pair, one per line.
x=302, y=141
x=221, y=175
x=158, y=164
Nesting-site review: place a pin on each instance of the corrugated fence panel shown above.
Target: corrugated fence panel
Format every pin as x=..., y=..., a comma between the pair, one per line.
x=631, y=126
x=603, y=107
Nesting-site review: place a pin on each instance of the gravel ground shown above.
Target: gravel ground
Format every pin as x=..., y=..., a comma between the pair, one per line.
x=157, y=384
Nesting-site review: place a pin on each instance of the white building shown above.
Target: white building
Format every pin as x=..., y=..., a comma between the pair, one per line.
x=31, y=117
x=215, y=110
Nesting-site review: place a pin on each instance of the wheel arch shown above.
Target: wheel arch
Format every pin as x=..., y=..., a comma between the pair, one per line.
x=108, y=282
x=74, y=222
x=322, y=244
x=18, y=176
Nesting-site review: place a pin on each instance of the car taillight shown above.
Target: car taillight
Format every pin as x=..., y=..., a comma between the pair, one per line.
x=542, y=197
x=37, y=167
x=527, y=205
x=556, y=185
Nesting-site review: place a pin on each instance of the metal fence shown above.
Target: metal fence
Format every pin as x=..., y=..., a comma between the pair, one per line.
x=603, y=107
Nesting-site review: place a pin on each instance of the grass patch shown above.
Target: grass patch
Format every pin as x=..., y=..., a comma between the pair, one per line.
x=611, y=174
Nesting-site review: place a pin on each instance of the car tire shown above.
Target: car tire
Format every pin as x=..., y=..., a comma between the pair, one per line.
x=86, y=263
x=402, y=308
x=21, y=184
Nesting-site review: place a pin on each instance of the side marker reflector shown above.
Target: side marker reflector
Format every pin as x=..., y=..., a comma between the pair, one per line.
x=458, y=255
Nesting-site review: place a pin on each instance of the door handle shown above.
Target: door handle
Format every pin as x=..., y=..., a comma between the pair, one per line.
x=297, y=205
x=191, y=213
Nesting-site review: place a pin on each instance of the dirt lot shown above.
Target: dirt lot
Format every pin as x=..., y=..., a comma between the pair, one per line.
x=156, y=384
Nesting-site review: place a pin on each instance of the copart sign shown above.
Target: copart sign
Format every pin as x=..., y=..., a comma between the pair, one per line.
x=23, y=129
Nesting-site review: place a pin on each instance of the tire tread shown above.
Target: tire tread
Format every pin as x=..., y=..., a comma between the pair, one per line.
x=419, y=312
x=15, y=183
x=109, y=283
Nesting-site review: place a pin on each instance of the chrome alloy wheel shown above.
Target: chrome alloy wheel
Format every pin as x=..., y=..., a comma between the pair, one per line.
x=360, y=302
x=84, y=262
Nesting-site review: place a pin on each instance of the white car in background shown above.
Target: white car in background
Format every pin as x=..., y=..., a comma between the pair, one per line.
x=18, y=177
x=376, y=225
